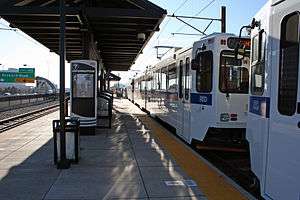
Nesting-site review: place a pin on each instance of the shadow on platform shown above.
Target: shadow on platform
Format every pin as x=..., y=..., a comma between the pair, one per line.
x=125, y=162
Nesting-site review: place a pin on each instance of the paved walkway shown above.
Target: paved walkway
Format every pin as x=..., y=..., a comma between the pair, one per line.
x=125, y=162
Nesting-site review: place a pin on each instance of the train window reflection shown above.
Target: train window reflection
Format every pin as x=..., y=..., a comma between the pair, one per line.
x=258, y=65
x=172, y=79
x=255, y=48
x=180, y=82
x=289, y=65
x=187, y=78
x=164, y=76
x=234, y=75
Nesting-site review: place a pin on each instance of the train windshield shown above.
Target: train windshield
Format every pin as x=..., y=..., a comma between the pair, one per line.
x=234, y=74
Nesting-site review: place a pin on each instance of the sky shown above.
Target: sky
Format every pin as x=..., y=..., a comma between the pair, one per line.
x=17, y=49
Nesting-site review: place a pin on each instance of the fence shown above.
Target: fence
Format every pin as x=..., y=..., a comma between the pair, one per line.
x=14, y=102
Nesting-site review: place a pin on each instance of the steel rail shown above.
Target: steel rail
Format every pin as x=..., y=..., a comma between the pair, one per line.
x=18, y=120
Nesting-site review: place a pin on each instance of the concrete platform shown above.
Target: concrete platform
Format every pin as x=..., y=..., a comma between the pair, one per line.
x=125, y=162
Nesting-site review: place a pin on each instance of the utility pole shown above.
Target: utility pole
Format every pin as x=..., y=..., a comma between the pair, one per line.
x=223, y=19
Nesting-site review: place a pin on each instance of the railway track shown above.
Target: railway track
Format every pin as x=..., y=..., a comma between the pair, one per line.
x=235, y=165
x=234, y=162
x=18, y=120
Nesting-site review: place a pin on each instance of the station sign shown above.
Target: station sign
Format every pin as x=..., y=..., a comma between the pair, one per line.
x=23, y=75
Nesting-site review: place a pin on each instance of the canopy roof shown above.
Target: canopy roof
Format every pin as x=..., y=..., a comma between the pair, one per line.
x=114, y=26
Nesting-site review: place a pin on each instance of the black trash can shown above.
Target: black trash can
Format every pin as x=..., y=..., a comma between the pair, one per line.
x=72, y=140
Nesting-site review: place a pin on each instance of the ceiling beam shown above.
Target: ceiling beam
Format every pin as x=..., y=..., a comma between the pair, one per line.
x=78, y=39
x=23, y=2
x=68, y=43
x=39, y=18
x=120, y=52
x=114, y=56
x=100, y=12
x=36, y=11
x=132, y=44
x=108, y=29
x=50, y=31
x=105, y=48
x=120, y=23
x=41, y=27
x=121, y=40
x=54, y=34
x=36, y=21
x=47, y=3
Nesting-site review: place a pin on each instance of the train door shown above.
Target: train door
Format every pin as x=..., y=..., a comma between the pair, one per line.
x=184, y=97
x=180, y=113
x=186, y=101
x=283, y=155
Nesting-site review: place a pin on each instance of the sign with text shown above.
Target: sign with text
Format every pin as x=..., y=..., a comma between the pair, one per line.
x=23, y=75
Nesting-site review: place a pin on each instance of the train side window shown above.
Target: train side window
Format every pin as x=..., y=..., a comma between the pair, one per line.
x=154, y=81
x=187, y=78
x=204, y=72
x=140, y=86
x=164, y=74
x=180, y=82
x=172, y=79
x=258, y=63
x=289, y=64
x=158, y=79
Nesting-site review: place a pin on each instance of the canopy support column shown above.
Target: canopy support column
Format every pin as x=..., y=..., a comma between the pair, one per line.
x=63, y=162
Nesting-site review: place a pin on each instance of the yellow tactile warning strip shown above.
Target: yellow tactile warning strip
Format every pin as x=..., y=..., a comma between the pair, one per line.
x=213, y=185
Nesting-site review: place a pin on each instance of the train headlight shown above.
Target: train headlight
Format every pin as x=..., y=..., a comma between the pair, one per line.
x=224, y=117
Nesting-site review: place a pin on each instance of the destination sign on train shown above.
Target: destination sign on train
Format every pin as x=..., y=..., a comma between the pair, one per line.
x=232, y=42
x=21, y=75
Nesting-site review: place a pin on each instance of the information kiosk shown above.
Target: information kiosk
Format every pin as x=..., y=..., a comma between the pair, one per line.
x=84, y=94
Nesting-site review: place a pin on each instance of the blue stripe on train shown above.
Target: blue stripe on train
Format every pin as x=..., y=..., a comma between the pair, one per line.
x=201, y=98
x=260, y=106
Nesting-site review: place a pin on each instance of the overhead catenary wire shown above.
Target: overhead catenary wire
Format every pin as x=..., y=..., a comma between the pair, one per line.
x=166, y=24
x=176, y=10
x=203, y=9
x=198, y=13
x=180, y=6
x=18, y=32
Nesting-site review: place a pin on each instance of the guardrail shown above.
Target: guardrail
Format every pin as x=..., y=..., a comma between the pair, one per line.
x=14, y=102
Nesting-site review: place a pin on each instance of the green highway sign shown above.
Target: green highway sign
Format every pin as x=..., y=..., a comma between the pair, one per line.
x=23, y=75
x=27, y=70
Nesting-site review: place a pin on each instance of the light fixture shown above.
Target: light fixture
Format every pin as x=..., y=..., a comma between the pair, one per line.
x=141, y=37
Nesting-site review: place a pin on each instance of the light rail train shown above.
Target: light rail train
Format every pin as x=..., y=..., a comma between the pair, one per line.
x=273, y=126
x=201, y=91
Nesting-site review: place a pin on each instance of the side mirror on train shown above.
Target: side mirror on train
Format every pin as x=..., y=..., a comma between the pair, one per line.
x=194, y=64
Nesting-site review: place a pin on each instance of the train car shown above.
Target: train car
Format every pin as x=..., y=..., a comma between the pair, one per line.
x=130, y=91
x=84, y=94
x=162, y=89
x=273, y=128
x=202, y=91
x=140, y=91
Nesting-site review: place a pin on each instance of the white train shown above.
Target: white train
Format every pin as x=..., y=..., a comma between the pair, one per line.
x=201, y=91
x=273, y=128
